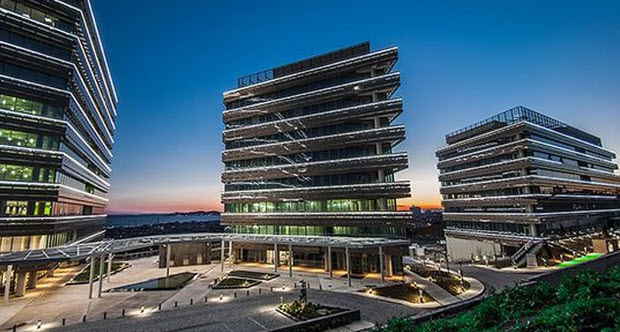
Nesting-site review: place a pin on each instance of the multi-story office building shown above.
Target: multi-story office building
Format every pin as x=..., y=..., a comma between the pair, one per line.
x=310, y=149
x=518, y=178
x=57, y=113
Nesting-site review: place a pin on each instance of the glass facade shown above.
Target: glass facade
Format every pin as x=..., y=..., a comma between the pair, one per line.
x=24, y=9
x=28, y=140
x=32, y=107
x=334, y=205
x=53, y=169
x=520, y=181
x=265, y=117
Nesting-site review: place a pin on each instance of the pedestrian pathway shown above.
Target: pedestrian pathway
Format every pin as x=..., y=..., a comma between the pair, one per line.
x=439, y=294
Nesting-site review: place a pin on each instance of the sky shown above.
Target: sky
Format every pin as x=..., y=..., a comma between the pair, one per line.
x=460, y=62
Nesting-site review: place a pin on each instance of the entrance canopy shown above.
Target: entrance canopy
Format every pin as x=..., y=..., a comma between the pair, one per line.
x=84, y=250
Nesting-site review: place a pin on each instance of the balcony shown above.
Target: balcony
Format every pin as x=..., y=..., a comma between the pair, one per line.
x=393, y=134
x=389, y=82
x=389, y=162
x=400, y=189
x=388, y=107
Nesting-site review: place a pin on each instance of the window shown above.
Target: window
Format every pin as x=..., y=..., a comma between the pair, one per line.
x=16, y=208
x=34, y=14
x=29, y=140
x=15, y=173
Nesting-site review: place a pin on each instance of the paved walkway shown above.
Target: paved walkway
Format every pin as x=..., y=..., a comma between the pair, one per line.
x=242, y=313
x=34, y=298
x=442, y=296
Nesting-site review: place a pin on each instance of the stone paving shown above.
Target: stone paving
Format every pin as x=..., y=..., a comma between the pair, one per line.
x=254, y=312
x=248, y=313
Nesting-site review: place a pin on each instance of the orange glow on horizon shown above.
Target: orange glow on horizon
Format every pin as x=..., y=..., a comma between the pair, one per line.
x=190, y=205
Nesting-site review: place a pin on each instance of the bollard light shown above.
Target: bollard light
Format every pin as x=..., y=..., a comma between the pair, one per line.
x=142, y=309
x=39, y=323
x=220, y=297
x=281, y=299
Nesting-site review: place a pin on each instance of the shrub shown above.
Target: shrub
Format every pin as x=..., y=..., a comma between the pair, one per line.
x=587, y=301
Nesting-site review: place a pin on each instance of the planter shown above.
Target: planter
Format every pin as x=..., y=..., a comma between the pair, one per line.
x=320, y=323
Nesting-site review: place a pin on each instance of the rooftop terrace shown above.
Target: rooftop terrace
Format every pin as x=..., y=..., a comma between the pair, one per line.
x=309, y=63
x=515, y=115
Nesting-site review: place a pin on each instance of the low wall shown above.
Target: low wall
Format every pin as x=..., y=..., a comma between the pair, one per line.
x=554, y=277
x=322, y=323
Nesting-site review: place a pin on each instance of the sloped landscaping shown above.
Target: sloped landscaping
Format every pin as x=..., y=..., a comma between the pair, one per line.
x=588, y=301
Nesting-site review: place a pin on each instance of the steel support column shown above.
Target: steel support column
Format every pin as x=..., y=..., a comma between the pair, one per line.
x=276, y=257
x=381, y=263
x=91, y=276
x=329, y=261
x=222, y=247
x=230, y=252
x=348, y=258
x=101, y=270
x=110, y=257
x=7, y=283
x=290, y=260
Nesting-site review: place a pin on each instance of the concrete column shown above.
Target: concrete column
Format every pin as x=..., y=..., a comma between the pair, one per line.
x=7, y=283
x=533, y=231
x=101, y=270
x=230, y=251
x=20, y=289
x=390, y=270
x=381, y=263
x=50, y=272
x=222, y=246
x=32, y=279
x=276, y=257
x=110, y=257
x=290, y=260
x=91, y=276
x=348, y=258
x=325, y=261
x=329, y=261
x=168, y=254
x=531, y=261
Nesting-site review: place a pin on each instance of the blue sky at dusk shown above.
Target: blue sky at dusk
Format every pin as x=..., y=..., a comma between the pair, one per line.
x=461, y=61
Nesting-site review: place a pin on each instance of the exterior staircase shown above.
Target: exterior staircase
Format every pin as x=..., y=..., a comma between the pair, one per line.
x=527, y=253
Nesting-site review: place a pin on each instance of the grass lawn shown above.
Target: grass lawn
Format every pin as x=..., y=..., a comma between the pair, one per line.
x=580, y=260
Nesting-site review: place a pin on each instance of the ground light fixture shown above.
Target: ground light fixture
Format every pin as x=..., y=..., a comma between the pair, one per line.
x=142, y=309
x=221, y=297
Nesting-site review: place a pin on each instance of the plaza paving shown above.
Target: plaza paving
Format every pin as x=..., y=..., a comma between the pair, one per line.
x=249, y=313
x=53, y=301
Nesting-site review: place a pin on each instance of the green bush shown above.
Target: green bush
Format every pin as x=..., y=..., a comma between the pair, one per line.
x=588, y=301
